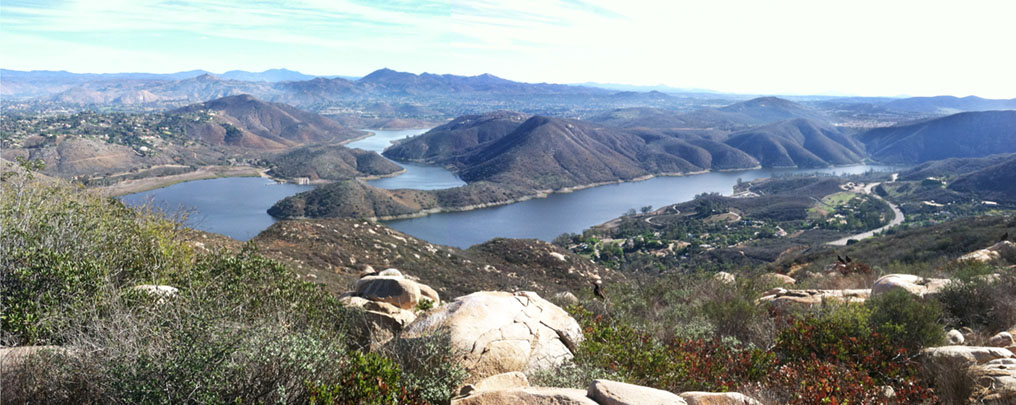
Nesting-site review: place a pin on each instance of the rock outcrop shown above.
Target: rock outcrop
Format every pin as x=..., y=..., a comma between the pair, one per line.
x=1001, y=339
x=988, y=254
x=500, y=332
x=916, y=285
x=606, y=392
x=782, y=296
x=389, y=302
x=392, y=287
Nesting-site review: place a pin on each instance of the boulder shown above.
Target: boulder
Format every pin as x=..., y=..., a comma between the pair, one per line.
x=718, y=398
x=814, y=297
x=390, y=273
x=1001, y=339
x=395, y=290
x=378, y=323
x=502, y=381
x=606, y=392
x=779, y=278
x=952, y=357
x=526, y=396
x=499, y=332
x=988, y=254
x=955, y=337
x=910, y=283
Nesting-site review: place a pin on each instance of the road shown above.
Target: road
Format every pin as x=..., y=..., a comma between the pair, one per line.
x=897, y=219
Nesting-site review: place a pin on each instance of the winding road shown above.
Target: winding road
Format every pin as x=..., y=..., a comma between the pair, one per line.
x=897, y=218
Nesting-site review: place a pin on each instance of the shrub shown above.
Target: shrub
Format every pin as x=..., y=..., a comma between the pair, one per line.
x=906, y=320
x=986, y=304
x=62, y=251
x=369, y=379
x=838, y=355
x=429, y=366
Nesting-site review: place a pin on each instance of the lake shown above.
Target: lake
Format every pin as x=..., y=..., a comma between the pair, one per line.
x=237, y=206
x=546, y=218
x=420, y=177
x=232, y=206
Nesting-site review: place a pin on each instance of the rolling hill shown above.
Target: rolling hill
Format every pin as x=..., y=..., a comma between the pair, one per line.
x=330, y=162
x=970, y=134
x=246, y=122
x=798, y=143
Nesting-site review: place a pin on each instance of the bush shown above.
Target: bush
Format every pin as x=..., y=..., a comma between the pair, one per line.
x=985, y=304
x=63, y=251
x=906, y=320
x=837, y=354
x=429, y=366
x=369, y=379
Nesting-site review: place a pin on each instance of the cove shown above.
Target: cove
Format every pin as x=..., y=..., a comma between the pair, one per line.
x=232, y=206
x=416, y=176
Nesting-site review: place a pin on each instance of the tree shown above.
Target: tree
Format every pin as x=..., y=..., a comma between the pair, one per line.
x=646, y=209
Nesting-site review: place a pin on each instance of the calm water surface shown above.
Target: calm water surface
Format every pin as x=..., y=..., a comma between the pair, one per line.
x=237, y=206
x=546, y=218
x=232, y=206
x=420, y=177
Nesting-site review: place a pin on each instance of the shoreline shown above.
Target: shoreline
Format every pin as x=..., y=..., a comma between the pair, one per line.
x=202, y=173
x=546, y=193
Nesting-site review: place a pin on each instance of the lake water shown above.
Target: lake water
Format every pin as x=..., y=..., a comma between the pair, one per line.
x=420, y=177
x=232, y=206
x=237, y=206
x=546, y=218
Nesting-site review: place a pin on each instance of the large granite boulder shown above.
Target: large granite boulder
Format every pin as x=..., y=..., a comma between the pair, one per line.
x=499, y=332
x=916, y=285
x=961, y=357
x=606, y=392
x=526, y=396
x=393, y=287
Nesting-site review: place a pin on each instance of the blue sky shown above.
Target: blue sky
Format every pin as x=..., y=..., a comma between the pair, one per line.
x=859, y=47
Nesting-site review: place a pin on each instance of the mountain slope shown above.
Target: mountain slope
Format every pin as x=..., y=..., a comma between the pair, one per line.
x=459, y=136
x=244, y=121
x=996, y=182
x=798, y=143
x=971, y=134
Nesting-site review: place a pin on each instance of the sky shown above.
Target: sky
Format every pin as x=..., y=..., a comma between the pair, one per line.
x=855, y=47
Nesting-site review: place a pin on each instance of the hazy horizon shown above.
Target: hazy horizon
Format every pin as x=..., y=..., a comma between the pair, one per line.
x=862, y=48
